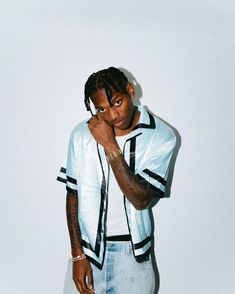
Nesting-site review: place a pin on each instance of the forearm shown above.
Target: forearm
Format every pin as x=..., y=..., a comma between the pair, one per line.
x=73, y=225
x=136, y=192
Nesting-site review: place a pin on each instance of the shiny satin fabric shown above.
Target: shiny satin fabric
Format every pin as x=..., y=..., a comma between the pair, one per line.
x=147, y=150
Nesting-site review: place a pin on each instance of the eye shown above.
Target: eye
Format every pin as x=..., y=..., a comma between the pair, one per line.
x=117, y=102
x=100, y=110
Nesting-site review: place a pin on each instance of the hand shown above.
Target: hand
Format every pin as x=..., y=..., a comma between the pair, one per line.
x=82, y=276
x=102, y=132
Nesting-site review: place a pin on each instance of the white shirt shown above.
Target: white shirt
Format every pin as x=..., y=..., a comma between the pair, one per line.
x=116, y=215
x=147, y=151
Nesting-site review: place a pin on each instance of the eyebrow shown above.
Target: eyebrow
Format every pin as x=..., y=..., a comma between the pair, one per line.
x=115, y=98
x=118, y=96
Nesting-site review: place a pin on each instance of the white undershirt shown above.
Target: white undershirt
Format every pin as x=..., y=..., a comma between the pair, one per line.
x=116, y=215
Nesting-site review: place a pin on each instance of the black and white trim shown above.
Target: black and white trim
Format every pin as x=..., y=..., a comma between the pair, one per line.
x=158, y=191
x=142, y=249
x=100, y=237
x=155, y=176
x=71, y=183
x=151, y=125
x=62, y=175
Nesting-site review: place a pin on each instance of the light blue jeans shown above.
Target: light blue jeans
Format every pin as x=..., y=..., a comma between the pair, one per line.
x=120, y=274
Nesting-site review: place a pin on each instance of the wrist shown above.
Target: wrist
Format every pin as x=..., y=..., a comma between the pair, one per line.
x=113, y=155
x=79, y=257
x=77, y=252
x=111, y=147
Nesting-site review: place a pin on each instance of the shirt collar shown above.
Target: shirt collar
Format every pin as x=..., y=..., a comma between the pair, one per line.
x=146, y=119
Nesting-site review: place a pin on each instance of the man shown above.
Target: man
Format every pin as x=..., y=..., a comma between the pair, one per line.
x=117, y=166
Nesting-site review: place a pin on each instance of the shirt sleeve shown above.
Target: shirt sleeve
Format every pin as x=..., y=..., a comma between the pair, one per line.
x=69, y=171
x=154, y=170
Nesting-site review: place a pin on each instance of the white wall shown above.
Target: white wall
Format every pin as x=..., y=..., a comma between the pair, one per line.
x=182, y=54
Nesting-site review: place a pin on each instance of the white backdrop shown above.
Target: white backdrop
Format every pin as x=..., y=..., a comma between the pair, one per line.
x=182, y=54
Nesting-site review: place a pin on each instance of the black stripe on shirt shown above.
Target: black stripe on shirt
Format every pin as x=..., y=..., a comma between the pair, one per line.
x=96, y=263
x=142, y=243
x=103, y=195
x=151, y=125
x=63, y=170
x=72, y=180
x=132, y=151
x=62, y=180
x=87, y=245
x=155, y=176
x=158, y=191
x=143, y=257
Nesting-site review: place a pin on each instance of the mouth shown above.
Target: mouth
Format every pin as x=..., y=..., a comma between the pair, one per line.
x=118, y=123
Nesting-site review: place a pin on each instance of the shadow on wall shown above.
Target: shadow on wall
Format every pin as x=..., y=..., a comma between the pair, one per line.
x=138, y=96
x=167, y=195
x=138, y=88
x=173, y=158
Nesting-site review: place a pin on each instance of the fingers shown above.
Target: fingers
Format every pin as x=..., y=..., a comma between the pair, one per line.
x=99, y=116
x=83, y=287
x=93, y=121
x=90, y=281
x=82, y=276
x=84, y=283
x=95, y=118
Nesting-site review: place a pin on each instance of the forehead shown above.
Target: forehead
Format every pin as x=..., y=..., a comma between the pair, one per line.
x=100, y=98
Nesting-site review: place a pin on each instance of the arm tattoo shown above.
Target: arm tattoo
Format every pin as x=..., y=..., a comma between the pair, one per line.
x=73, y=225
x=136, y=192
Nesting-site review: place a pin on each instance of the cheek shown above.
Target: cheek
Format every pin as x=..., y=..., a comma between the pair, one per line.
x=105, y=117
x=129, y=110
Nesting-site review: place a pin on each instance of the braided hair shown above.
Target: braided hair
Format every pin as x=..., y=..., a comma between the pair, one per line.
x=107, y=79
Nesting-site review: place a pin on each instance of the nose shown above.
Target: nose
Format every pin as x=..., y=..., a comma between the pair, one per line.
x=113, y=114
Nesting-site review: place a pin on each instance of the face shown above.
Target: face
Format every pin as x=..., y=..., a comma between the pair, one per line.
x=120, y=112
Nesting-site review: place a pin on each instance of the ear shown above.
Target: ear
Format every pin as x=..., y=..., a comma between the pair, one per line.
x=131, y=90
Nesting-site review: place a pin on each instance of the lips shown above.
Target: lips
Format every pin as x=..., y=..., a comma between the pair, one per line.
x=118, y=123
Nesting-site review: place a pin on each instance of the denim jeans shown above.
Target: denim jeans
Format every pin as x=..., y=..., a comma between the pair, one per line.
x=120, y=274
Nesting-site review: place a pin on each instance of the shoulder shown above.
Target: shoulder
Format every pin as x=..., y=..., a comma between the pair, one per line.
x=80, y=132
x=161, y=132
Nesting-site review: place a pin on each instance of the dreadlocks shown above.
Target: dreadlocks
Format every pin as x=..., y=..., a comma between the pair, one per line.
x=107, y=79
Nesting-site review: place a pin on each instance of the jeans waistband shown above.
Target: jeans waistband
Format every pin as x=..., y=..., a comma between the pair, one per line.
x=119, y=238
